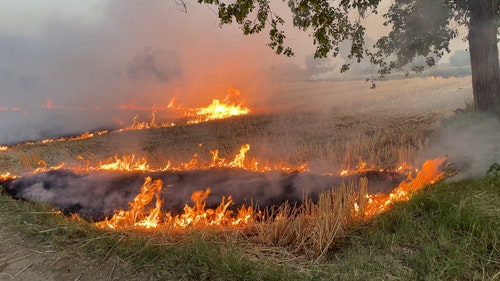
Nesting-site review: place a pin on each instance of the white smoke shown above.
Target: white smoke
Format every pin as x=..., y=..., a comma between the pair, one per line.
x=471, y=143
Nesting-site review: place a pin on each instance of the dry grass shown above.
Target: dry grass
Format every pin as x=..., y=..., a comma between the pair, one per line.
x=314, y=228
x=329, y=125
x=328, y=142
x=377, y=129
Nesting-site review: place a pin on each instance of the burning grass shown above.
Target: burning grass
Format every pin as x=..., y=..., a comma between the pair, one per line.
x=450, y=231
x=305, y=137
x=329, y=142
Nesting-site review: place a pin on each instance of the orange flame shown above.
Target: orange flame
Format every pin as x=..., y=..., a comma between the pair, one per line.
x=145, y=210
x=126, y=163
x=218, y=109
x=133, y=163
x=7, y=176
x=429, y=174
x=141, y=215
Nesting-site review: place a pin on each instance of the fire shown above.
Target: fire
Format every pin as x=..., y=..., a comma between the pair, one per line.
x=7, y=176
x=133, y=163
x=172, y=103
x=429, y=174
x=142, y=215
x=238, y=161
x=218, y=109
x=126, y=163
x=145, y=210
x=139, y=215
x=42, y=167
x=363, y=167
x=198, y=215
x=145, y=125
x=83, y=136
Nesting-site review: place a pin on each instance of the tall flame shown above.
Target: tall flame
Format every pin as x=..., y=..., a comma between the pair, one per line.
x=141, y=215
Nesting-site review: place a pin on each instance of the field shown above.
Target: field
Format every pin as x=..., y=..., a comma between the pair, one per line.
x=329, y=126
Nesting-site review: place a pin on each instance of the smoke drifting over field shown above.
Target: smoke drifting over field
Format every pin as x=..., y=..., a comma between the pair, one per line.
x=139, y=54
x=471, y=144
x=74, y=73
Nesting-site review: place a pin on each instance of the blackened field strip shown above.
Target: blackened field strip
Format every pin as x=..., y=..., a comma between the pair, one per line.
x=96, y=195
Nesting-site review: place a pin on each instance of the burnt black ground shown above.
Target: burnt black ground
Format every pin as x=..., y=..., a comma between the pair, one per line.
x=95, y=195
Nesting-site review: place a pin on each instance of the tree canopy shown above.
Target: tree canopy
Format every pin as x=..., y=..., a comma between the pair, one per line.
x=418, y=28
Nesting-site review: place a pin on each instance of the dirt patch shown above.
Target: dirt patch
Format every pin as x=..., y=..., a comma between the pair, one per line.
x=22, y=258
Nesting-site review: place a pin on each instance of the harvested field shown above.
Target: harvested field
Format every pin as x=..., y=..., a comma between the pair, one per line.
x=331, y=127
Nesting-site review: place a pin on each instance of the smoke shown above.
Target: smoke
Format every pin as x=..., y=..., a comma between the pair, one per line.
x=471, y=143
x=140, y=53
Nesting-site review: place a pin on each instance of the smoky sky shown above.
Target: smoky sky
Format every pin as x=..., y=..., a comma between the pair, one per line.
x=135, y=52
x=147, y=51
x=140, y=53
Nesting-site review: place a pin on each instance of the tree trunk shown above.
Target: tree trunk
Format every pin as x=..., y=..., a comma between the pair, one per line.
x=484, y=54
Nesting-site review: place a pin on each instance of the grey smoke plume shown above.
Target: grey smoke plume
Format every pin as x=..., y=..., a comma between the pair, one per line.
x=471, y=143
x=138, y=52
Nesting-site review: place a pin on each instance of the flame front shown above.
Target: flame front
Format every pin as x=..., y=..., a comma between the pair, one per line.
x=141, y=215
x=218, y=109
x=428, y=174
x=145, y=210
x=133, y=163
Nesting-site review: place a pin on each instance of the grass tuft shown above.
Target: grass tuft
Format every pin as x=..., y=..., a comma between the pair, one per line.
x=314, y=228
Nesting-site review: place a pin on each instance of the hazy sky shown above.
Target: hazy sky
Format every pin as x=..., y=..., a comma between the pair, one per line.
x=26, y=17
x=107, y=53
x=73, y=53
